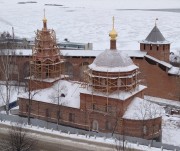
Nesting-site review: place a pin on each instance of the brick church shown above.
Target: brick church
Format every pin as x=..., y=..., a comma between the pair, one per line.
x=109, y=93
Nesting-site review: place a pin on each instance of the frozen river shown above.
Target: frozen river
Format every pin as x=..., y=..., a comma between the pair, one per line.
x=91, y=20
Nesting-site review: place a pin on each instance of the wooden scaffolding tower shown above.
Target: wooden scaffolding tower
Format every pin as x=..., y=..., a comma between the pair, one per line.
x=47, y=62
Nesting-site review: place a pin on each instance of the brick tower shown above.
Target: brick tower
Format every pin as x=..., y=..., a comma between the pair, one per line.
x=156, y=45
x=47, y=63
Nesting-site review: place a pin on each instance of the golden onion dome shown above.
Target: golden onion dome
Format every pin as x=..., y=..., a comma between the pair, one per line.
x=44, y=20
x=113, y=34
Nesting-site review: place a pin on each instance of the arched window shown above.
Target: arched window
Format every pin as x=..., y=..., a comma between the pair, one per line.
x=108, y=125
x=95, y=125
x=145, y=129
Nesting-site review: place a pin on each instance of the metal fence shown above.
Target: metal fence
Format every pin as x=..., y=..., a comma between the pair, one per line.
x=66, y=129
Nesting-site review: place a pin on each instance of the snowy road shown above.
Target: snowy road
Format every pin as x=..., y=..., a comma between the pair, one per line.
x=44, y=146
x=48, y=142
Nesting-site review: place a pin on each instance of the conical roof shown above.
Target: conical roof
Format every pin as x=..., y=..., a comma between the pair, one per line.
x=155, y=35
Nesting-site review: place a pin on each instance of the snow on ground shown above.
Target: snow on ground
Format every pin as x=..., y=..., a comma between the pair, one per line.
x=171, y=130
x=14, y=91
x=91, y=21
x=82, y=140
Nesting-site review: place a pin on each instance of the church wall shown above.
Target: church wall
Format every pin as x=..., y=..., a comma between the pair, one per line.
x=143, y=128
x=85, y=119
x=49, y=112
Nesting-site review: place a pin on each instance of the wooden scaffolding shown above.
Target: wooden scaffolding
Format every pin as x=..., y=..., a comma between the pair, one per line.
x=47, y=62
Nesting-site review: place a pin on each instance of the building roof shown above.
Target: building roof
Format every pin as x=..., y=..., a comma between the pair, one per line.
x=95, y=53
x=140, y=109
x=155, y=36
x=78, y=53
x=174, y=71
x=113, y=61
x=168, y=65
x=71, y=91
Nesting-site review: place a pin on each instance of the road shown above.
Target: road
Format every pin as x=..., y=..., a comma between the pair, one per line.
x=48, y=142
x=45, y=145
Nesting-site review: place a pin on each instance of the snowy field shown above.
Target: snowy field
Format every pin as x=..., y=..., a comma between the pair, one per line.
x=91, y=20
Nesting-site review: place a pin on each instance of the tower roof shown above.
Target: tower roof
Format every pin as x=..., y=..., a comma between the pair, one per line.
x=155, y=37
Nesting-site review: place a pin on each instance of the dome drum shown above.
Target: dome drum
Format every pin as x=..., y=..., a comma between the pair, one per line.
x=103, y=82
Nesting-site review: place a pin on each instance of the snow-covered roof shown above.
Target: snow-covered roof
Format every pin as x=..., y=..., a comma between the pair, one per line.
x=174, y=71
x=95, y=53
x=113, y=61
x=79, y=53
x=159, y=61
x=140, y=109
x=50, y=95
x=94, y=67
x=72, y=91
x=17, y=52
x=163, y=101
x=155, y=37
x=121, y=95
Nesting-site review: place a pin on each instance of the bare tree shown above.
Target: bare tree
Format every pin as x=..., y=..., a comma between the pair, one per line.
x=18, y=140
x=31, y=94
x=8, y=69
x=122, y=145
x=58, y=93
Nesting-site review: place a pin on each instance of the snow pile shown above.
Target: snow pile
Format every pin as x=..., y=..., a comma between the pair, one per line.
x=141, y=109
